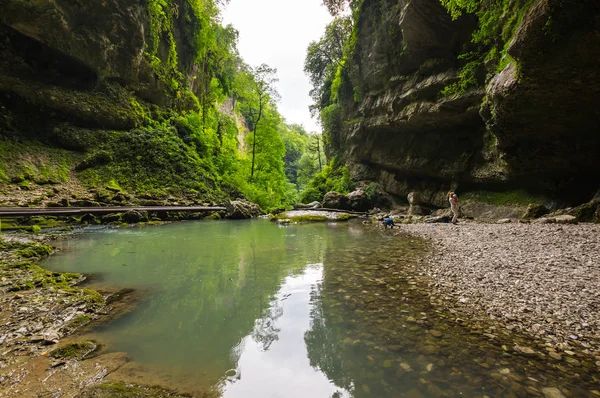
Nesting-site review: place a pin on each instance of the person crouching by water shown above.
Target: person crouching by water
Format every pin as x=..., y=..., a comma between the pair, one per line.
x=453, y=199
x=389, y=222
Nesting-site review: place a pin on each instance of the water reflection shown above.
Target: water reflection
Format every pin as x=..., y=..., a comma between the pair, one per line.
x=273, y=360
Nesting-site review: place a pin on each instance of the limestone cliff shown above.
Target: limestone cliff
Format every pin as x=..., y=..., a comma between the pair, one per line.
x=88, y=94
x=529, y=121
x=82, y=62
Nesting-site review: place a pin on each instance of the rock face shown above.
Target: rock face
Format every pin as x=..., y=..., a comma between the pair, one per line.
x=242, y=209
x=532, y=125
x=78, y=62
x=359, y=200
x=334, y=200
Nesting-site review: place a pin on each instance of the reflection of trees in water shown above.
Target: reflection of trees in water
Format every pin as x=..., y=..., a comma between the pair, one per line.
x=265, y=330
x=324, y=343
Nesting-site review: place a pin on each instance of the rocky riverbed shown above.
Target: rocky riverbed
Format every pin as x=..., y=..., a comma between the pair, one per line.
x=539, y=279
x=40, y=311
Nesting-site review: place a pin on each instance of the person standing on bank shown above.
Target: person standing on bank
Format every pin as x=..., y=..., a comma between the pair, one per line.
x=453, y=199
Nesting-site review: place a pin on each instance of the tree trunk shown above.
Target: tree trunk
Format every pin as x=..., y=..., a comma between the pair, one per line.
x=253, y=152
x=260, y=109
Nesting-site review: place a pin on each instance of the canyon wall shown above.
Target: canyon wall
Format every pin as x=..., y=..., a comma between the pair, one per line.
x=527, y=120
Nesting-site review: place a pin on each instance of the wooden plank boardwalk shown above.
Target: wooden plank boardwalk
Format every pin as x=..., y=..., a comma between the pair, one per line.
x=63, y=211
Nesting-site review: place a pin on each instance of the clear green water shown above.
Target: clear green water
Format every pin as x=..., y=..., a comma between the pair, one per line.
x=253, y=309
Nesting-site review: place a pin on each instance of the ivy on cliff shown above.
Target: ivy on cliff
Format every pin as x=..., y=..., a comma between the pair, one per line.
x=497, y=23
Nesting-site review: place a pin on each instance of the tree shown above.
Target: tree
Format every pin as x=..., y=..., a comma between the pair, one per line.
x=315, y=147
x=264, y=93
x=335, y=6
x=324, y=57
x=295, y=139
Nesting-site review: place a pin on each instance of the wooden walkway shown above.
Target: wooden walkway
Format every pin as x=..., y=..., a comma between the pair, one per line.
x=65, y=211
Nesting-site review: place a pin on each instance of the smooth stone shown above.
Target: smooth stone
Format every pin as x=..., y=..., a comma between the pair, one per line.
x=555, y=355
x=428, y=349
x=505, y=371
x=429, y=367
x=435, y=333
x=552, y=392
x=406, y=367
x=525, y=350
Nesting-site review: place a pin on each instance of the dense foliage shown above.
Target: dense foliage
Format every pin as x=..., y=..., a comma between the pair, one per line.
x=498, y=20
x=229, y=127
x=333, y=177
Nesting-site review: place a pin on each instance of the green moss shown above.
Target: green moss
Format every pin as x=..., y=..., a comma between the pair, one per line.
x=309, y=218
x=36, y=229
x=122, y=390
x=152, y=160
x=29, y=162
x=78, y=321
x=92, y=296
x=214, y=216
x=38, y=250
x=509, y=198
x=73, y=350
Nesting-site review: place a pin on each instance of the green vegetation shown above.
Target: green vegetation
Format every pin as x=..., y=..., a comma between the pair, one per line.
x=308, y=218
x=333, y=177
x=122, y=390
x=498, y=21
x=217, y=133
x=31, y=162
x=73, y=350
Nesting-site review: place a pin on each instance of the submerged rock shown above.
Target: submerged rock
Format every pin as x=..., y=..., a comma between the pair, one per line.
x=552, y=392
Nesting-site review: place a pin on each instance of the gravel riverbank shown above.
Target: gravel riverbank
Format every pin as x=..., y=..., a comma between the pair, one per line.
x=541, y=279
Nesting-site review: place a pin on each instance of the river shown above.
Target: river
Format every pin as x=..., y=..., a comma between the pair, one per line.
x=255, y=309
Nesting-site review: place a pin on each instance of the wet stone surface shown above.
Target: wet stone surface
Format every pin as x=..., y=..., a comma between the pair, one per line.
x=377, y=301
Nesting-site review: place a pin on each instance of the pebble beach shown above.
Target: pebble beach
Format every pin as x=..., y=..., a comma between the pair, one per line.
x=542, y=279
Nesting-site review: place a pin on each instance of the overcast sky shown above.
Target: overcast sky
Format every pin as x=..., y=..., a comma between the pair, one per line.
x=277, y=32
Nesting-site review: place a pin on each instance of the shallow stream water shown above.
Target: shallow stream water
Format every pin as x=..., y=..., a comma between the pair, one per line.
x=254, y=309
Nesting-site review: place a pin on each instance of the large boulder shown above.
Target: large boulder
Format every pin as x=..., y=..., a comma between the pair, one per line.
x=359, y=200
x=242, y=209
x=135, y=216
x=535, y=211
x=334, y=200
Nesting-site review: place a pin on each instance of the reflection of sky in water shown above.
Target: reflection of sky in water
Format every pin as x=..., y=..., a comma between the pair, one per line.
x=282, y=369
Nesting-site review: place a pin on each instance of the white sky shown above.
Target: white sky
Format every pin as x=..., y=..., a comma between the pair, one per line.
x=277, y=32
